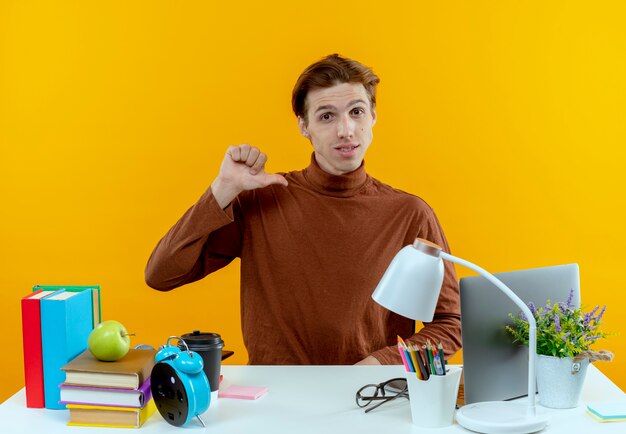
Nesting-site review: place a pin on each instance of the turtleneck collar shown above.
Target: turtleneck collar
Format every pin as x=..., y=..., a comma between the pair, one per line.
x=335, y=185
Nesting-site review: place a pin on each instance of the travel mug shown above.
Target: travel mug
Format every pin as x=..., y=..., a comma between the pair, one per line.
x=209, y=346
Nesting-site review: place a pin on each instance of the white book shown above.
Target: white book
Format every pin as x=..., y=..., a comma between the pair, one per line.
x=137, y=398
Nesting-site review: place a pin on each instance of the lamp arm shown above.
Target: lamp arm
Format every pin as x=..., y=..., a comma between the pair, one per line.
x=532, y=324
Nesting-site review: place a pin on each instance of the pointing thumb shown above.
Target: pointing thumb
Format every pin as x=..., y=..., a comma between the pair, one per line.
x=276, y=179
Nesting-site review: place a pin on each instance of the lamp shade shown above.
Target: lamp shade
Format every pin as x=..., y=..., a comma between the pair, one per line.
x=410, y=286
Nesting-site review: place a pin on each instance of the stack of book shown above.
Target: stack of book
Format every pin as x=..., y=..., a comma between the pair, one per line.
x=109, y=394
x=56, y=322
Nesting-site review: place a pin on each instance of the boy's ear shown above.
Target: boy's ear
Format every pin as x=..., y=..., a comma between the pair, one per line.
x=303, y=128
x=373, y=117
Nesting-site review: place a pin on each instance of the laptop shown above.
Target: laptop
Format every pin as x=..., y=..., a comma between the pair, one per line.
x=494, y=368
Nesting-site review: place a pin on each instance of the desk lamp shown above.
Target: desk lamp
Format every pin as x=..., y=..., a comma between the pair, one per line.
x=410, y=287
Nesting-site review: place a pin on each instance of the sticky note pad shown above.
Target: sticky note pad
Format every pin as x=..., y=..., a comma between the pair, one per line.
x=242, y=392
x=608, y=411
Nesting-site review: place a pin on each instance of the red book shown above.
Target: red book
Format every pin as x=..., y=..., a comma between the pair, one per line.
x=31, y=336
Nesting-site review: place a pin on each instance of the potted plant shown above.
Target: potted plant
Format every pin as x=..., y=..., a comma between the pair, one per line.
x=565, y=335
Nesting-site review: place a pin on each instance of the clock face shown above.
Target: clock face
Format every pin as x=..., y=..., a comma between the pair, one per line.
x=169, y=394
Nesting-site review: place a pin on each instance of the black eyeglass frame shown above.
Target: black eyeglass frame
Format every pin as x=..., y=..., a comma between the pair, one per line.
x=379, y=394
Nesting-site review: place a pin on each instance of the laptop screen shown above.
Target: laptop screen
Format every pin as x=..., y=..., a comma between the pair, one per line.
x=493, y=367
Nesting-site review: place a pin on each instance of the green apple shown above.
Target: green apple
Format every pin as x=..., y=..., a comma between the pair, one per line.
x=109, y=341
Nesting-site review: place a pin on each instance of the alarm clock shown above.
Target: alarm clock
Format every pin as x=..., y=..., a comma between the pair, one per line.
x=179, y=386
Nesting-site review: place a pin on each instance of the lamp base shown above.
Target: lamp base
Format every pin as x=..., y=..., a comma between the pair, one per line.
x=501, y=417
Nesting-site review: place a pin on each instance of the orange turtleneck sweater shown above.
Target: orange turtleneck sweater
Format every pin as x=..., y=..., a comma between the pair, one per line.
x=311, y=255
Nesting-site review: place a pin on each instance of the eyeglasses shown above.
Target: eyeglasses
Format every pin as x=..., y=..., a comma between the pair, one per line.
x=383, y=392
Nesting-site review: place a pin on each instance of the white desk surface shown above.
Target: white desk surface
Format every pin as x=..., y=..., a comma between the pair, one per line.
x=306, y=399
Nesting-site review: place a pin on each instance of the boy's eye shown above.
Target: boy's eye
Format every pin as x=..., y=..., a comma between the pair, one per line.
x=326, y=117
x=358, y=111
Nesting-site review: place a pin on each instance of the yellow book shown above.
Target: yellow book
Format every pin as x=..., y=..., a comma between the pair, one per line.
x=109, y=417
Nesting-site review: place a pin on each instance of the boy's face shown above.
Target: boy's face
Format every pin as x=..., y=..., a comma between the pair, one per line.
x=339, y=125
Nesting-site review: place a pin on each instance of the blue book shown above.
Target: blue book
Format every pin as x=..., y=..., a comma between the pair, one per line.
x=95, y=296
x=66, y=321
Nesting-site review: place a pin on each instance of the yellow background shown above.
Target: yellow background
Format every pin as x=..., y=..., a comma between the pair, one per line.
x=507, y=117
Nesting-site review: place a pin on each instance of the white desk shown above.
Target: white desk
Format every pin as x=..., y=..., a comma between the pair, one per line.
x=305, y=399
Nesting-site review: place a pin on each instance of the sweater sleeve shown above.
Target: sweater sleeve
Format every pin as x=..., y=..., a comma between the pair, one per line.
x=446, y=324
x=205, y=239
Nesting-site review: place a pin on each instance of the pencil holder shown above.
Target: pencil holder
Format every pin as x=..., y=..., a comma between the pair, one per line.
x=433, y=401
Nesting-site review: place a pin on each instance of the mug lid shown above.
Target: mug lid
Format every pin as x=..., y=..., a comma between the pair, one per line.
x=202, y=339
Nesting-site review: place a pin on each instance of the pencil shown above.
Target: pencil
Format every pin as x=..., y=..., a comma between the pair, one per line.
x=407, y=356
x=442, y=358
x=437, y=364
x=401, y=341
x=433, y=350
x=430, y=359
x=401, y=351
x=420, y=362
x=426, y=360
x=418, y=372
